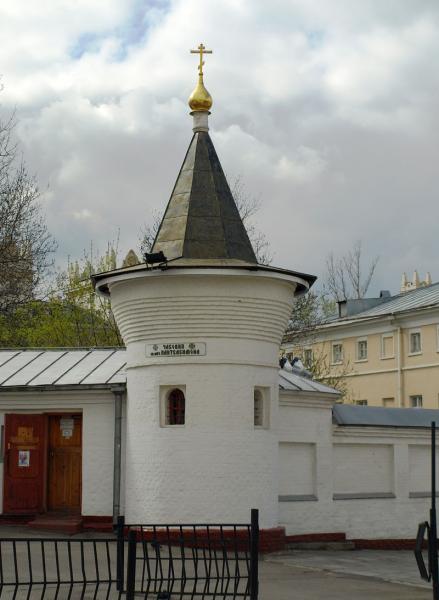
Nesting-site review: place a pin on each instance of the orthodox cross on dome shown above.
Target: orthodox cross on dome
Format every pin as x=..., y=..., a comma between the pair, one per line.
x=200, y=101
x=201, y=50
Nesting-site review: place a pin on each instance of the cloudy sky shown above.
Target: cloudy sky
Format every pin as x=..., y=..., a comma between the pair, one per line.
x=326, y=109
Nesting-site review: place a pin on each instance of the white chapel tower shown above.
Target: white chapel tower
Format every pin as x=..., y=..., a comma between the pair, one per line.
x=202, y=324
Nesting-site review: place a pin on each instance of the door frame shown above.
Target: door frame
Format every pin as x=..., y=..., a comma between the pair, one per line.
x=45, y=452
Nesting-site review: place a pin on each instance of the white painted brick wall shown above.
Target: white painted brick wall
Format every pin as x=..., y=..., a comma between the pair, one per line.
x=420, y=468
x=97, y=459
x=363, y=468
x=297, y=469
x=357, y=460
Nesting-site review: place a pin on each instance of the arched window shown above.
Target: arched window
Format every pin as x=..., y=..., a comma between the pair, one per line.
x=175, y=407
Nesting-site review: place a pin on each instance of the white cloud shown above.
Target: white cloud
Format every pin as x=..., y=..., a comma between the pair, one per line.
x=82, y=214
x=304, y=167
x=326, y=109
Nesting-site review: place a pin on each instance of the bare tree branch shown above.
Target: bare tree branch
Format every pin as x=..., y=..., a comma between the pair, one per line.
x=248, y=206
x=149, y=232
x=26, y=246
x=344, y=274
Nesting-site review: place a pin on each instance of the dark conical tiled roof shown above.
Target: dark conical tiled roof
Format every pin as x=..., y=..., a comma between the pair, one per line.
x=201, y=220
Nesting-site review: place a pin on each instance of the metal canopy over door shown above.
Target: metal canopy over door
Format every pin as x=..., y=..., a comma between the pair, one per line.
x=24, y=463
x=65, y=463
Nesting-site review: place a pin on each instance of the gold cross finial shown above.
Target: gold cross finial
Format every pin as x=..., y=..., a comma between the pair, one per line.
x=200, y=100
x=201, y=50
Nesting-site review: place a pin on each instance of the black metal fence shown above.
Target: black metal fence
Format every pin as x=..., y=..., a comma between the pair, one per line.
x=191, y=561
x=160, y=562
x=58, y=568
x=427, y=531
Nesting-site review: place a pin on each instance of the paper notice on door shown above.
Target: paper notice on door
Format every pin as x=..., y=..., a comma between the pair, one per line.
x=67, y=426
x=24, y=458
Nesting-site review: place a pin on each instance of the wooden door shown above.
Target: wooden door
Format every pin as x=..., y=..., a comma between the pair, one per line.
x=24, y=464
x=65, y=463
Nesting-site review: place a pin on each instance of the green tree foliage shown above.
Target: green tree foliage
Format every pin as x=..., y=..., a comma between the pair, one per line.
x=71, y=316
x=309, y=311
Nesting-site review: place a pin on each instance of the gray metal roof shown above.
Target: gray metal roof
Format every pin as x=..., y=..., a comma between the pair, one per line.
x=375, y=416
x=295, y=382
x=60, y=367
x=96, y=366
x=421, y=298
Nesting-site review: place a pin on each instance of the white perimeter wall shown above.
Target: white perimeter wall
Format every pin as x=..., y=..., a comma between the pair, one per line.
x=367, y=482
x=97, y=410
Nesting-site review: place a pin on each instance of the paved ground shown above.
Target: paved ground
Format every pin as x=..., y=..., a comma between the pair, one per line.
x=349, y=575
x=300, y=575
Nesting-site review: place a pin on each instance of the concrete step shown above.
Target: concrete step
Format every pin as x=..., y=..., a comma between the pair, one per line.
x=61, y=524
x=323, y=545
x=99, y=526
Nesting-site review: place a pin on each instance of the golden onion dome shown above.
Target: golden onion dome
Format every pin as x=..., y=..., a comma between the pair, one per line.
x=200, y=99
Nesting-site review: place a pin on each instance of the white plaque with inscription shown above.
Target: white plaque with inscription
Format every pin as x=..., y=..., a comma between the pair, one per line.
x=176, y=349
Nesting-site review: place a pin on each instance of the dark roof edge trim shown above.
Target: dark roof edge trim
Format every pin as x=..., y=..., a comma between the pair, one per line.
x=116, y=387
x=310, y=279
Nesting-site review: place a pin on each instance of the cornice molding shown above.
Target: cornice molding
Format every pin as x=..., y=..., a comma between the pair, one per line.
x=374, y=324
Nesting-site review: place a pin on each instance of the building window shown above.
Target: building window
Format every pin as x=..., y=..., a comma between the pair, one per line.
x=362, y=349
x=416, y=401
x=307, y=357
x=172, y=406
x=361, y=402
x=389, y=402
x=337, y=353
x=415, y=342
x=387, y=346
x=261, y=407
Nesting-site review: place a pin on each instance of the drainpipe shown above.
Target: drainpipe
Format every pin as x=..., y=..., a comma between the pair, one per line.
x=119, y=393
x=399, y=367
